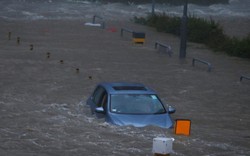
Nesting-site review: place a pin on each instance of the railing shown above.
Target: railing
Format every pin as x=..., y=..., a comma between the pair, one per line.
x=244, y=77
x=167, y=47
x=202, y=61
x=138, y=37
x=103, y=22
x=127, y=30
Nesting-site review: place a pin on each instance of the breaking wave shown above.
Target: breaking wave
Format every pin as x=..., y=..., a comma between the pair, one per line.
x=79, y=9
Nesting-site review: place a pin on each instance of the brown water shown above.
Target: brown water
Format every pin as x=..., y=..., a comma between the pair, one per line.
x=42, y=101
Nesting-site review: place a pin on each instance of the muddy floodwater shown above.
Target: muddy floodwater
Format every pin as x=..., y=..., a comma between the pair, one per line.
x=43, y=96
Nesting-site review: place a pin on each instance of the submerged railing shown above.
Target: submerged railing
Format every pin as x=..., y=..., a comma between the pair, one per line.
x=244, y=77
x=138, y=37
x=167, y=48
x=126, y=30
x=202, y=61
x=94, y=20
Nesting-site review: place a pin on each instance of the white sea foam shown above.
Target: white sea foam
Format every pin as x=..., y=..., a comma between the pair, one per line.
x=79, y=1
x=32, y=16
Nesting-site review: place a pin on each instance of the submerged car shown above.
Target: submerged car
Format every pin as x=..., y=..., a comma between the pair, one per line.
x=130, y=104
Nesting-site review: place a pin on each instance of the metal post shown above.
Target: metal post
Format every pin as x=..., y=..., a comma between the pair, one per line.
x=94, y=17
x=103, y=25
x=9, y=35
x=31, y=47
x=18, y=40
x=153, y=7
x=93, y=21
x=184, y=20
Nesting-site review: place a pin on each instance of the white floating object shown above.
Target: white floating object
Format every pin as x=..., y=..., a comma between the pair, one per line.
x=162, y=145
x=93, y=24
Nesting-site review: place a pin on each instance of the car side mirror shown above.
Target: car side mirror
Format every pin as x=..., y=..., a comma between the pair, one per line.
x=171, y=110
x=99, y=110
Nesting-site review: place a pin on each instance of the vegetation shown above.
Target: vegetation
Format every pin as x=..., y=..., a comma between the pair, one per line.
x=203, y=31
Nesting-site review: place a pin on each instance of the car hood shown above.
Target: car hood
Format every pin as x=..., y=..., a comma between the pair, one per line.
x=160, y=120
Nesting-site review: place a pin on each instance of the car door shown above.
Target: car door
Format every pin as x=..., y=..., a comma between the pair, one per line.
x=98, y=99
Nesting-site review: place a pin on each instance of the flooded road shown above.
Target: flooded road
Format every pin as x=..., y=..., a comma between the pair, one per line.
x=43, y=101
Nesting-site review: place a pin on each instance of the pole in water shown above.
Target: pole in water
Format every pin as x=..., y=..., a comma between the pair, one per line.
x=9, y=35
x=183, y=44
x=31, y=47
x=48, y=54
x=93, y=21
x=18, y=40
x=77, y=70
x=153, y=7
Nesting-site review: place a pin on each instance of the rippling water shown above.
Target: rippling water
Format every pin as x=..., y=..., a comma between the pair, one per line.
x=41, y=113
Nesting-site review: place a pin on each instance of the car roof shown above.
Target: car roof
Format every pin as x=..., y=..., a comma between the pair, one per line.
x=126, y=88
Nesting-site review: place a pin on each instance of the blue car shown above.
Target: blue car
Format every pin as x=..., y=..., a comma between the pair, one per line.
x=129, y=104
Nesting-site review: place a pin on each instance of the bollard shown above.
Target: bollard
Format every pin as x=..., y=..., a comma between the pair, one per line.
x=18, y=40
x=48, y=54
x=61, y=61
x=9, y=35
x=77, y=70
x=90, y=77
x=182, y=127
x=162, y=146
x=31, y=47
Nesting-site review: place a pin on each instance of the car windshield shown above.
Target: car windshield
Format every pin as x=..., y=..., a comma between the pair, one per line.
x=136, y=104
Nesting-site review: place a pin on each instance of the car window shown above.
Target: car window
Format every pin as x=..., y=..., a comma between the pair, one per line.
x=98, y=96
x=136, y=104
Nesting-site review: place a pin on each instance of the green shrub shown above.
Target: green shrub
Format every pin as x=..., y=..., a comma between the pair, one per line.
x=161, y=22
x=239, y=47
x=140, y=20
x=203, y=31
x=174, y=26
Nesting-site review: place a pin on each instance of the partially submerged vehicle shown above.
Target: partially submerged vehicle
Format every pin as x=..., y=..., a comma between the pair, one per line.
x=130, y=104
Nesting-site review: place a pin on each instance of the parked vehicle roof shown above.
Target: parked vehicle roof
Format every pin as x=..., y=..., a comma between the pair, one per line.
x=126, y=88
